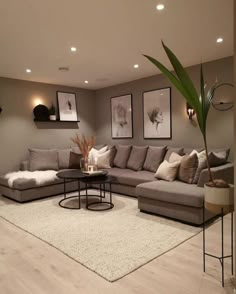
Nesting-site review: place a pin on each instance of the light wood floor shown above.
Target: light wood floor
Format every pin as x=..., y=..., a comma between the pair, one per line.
x=30, y=266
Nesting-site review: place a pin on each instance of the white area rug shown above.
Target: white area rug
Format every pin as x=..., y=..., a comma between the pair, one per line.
x=111, y=243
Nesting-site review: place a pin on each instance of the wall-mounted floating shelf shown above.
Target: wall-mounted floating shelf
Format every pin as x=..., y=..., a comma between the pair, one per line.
x=57, y=121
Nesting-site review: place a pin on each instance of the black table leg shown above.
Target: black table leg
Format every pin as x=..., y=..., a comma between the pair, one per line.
x=64, y=188
x=222, y=245
x=232, y=243
x=79, y=192
x=86, y=191
x=110, y=193
x=204, y=248
x=100, y=190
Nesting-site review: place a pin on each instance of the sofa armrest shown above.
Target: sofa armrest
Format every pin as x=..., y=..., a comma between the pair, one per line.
x=224, y=172
x=24, y=165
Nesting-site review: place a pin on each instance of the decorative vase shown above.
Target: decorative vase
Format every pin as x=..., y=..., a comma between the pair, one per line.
x=84, y=162
x=217, y=198
x=52, y=117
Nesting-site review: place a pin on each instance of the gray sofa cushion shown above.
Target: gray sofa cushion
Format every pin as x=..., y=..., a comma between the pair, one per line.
x=173, y=192
x=154, y=158
x=122, y=155
x=129, y=177
x=40, y=159
x=64, y=158
x=136, y=178
x=178, y=150
x=217, y=158
x=137, y=157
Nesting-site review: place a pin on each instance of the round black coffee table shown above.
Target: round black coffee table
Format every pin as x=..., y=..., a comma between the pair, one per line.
x=68, y=175
x=102, y=182
x=100, y=179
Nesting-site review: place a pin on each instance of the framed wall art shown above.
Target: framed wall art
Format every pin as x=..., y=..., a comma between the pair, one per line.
x=121, y=117
x=157, y=114
x=67, y=106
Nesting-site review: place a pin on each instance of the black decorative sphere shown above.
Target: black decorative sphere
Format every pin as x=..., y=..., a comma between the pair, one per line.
x=41, y=112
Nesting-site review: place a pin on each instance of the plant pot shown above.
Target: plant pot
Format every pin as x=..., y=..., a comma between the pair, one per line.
x=217, y=198
x=52, y=117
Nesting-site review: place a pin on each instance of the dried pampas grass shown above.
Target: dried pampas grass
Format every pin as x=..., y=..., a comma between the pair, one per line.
x=84, y=144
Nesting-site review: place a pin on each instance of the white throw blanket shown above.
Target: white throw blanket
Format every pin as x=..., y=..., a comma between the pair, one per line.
x=40, y=177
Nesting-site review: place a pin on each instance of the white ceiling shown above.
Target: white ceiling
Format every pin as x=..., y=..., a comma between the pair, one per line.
x=110, y=36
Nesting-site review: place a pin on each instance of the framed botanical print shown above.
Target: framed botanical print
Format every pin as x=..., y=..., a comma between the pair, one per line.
x=67, y=106
x=157, y=114
x=122, y=117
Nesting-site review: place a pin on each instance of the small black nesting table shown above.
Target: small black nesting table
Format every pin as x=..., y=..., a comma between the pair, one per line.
x=102, y=181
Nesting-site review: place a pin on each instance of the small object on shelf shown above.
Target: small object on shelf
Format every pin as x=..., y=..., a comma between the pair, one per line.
x=41, y=113
x=52, y=113
x=56, y=121
x=52, y=117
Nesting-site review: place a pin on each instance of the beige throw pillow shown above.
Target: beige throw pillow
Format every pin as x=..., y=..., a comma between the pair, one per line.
x=175, y=157
x=94, y=153
x=202, y=163
x=167, y=170
x=187, y=169
x=103, y=160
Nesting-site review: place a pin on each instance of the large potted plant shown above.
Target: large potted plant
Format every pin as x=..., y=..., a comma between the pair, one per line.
x=218, y=193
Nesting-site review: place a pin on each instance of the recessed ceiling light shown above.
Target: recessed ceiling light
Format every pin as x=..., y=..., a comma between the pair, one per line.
x=160, y=6
x=73, y=49
x=86, y=82
x=219, y=40
x=28, y=70
x=136, y=66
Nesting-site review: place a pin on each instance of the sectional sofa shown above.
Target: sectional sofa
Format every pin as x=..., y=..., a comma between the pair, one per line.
x=133, y=173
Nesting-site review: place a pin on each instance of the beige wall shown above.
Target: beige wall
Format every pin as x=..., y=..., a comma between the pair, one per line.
x=184, y=133
x=18, y=131
x=234, y=145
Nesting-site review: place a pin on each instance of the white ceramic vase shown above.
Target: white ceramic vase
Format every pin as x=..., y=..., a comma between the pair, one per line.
x=52, y=117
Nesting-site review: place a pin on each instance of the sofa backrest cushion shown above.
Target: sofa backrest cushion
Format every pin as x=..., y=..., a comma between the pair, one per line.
x=167, y=170
x=76, y=149
x=178, y=150
x=137, y=157
x=154, y=158
x=64, y=158
x=122, y=155
x=217, y=158
x=187, y=169
x=42, y=159
x=175, y=157
x=98, y=147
